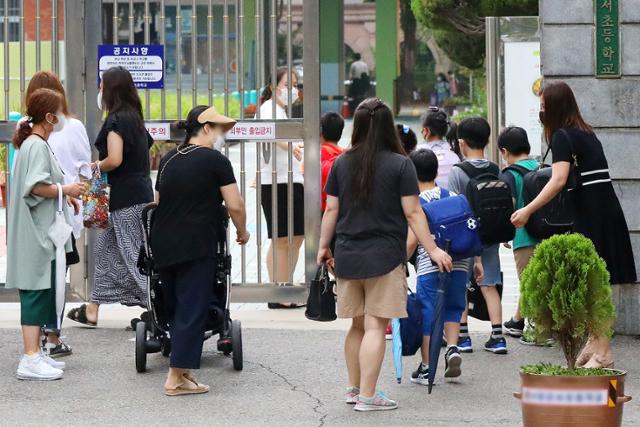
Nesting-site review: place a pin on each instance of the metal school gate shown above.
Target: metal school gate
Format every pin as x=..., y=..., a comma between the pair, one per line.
x=220, y=53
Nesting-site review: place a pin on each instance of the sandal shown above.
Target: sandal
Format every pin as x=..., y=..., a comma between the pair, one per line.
x=180, y=390
x=193, y=380
x=80, y=315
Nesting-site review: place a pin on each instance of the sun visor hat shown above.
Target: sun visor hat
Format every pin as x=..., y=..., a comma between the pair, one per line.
x=211, y=115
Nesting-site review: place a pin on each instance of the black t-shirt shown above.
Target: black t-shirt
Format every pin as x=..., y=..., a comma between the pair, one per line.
x=189, y=214
x=371, y=239
x=586, y=147
x=130, y=182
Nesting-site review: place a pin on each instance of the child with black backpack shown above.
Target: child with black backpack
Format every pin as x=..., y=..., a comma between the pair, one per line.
x=515, y=148
x=426, y=164
x=491, y=201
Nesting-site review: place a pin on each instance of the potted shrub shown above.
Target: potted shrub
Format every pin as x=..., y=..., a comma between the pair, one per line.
x=565, y=292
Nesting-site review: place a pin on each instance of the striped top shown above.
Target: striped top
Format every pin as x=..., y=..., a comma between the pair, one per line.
x=423, y=261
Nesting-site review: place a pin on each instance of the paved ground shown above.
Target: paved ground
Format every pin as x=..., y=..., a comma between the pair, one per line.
x=291, y=378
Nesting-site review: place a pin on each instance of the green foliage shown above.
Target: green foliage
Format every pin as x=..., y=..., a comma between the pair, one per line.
x=458, y=25
x=565, y=292
x=555, y=370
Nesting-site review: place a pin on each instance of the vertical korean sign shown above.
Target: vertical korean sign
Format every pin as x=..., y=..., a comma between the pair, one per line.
x=144, y=62
x=607, y=38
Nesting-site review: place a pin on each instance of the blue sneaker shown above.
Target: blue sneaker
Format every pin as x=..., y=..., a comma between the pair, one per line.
x=496, y=345
x=464, y=345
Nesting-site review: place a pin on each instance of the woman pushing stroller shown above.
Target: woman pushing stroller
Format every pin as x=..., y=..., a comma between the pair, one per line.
x=193, y=182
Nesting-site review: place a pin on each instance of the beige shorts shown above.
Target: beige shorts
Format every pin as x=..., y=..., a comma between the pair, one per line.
x=382, y=296
x=522, y=257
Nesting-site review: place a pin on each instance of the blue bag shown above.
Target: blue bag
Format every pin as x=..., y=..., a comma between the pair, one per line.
x=451, y=218
x=411, y=327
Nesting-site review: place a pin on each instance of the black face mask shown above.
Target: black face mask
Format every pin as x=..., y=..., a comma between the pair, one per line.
x=541, y=117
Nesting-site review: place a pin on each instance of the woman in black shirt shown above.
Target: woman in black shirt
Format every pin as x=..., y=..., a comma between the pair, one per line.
x=193, y=182
x=123, y=147
x=598, y=214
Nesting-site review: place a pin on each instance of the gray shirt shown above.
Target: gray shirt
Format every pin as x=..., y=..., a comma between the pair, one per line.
x=458, y=180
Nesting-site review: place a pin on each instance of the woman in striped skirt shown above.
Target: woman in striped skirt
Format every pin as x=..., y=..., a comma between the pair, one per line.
x=123, y=145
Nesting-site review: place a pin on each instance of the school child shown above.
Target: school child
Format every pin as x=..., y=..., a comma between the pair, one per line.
x=331, y=126
x=435, y=124
x=408, y=138
x=515, y=148
x=473, y=137
x=426, y=164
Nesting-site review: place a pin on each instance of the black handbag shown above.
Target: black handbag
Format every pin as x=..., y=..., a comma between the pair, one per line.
x=321, y=303
x=475, y=301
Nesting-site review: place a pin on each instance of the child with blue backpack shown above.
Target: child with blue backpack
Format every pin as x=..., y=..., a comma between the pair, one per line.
x=426, y=164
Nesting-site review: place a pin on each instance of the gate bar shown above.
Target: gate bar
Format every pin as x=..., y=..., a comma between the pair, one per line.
x=210, y=50
x=54, y=37
x=22, y=61
x=147, y=40
x=274, y=147
x=313, y=190
x=38, y=52
x=114, y=22
x=163, y=94
x=179, y=60
x=290, y=207
x=240, y=82
x=194, y=55
x=7, y=82
x=259, y=147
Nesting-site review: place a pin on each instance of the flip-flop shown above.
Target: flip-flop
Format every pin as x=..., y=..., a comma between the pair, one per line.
x=181, y=391
x=80, y=315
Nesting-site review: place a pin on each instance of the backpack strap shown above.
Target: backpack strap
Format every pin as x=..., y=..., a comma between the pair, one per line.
x=518, y=169
x=472, y=171
x=444, y=193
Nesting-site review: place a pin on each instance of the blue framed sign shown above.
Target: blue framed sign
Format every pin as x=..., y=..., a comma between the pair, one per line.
x=144, y=62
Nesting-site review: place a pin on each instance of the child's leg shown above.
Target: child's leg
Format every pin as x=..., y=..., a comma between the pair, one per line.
x=494, y=305
x=451, y=332
x=424, y=350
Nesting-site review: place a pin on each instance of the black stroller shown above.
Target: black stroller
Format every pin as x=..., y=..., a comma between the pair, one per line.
x=152, y=331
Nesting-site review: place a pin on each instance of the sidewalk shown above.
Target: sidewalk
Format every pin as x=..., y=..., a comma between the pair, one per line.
x=291, y=378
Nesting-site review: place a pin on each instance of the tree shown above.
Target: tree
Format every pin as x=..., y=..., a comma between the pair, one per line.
x=458, y=25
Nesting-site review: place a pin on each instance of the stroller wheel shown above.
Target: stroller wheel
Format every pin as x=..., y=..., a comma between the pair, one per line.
x=236, y=344
x=165, y=346
x=141, y=347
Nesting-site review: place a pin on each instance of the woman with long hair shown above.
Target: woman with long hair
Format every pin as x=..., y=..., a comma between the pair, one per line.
x=193, y=183
x=280, y=243
x=31, y=267
x=372, y=199
x=598, y=214
x=123, y=147
x=71, y=147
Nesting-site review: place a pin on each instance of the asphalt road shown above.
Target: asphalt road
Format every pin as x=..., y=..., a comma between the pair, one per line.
x=291, y=378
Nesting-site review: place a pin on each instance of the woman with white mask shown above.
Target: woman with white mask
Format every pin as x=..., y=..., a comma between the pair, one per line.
x=280, y=243
x=70, y=145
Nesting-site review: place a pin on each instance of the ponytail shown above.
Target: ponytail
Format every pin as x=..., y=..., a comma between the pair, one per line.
x=267, y=93
x=23, y=132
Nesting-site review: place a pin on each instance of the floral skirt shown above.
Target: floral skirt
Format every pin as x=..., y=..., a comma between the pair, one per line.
x=117, y=279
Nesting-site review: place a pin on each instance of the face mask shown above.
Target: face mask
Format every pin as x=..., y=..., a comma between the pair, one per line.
x=541, y=117
x=61, y=122
x=99, y=100
x=284, y=95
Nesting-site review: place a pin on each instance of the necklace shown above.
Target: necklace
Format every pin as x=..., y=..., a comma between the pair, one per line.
x=187, y=150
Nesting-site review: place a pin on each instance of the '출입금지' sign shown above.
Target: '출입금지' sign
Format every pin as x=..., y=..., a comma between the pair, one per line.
x=607, y=38
x=144, y=62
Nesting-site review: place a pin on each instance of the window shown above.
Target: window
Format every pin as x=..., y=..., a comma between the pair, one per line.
x=14, y=20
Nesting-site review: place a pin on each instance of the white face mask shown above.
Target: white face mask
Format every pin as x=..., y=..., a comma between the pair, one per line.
x=99, y=100
x=61, y=122
x=284, y=95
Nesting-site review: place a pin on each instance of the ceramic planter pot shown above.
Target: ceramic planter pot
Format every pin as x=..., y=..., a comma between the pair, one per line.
x=594, y=401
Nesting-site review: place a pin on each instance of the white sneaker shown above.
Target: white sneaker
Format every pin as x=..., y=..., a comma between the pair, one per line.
x=52, y=362
x=34, y=367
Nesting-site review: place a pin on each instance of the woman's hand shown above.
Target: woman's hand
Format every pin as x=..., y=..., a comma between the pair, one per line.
x=478, y=271
x=520, y=217
x=74, y=190
x=325, y=255
x=298, y=151
x=442, y=259
x=75, y=204
x=242, y=237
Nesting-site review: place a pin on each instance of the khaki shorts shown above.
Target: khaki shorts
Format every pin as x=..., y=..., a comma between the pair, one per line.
x=382, y=296
x=522, y=257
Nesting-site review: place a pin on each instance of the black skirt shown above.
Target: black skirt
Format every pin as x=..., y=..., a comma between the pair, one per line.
x=298, y=209
x=599, y=217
